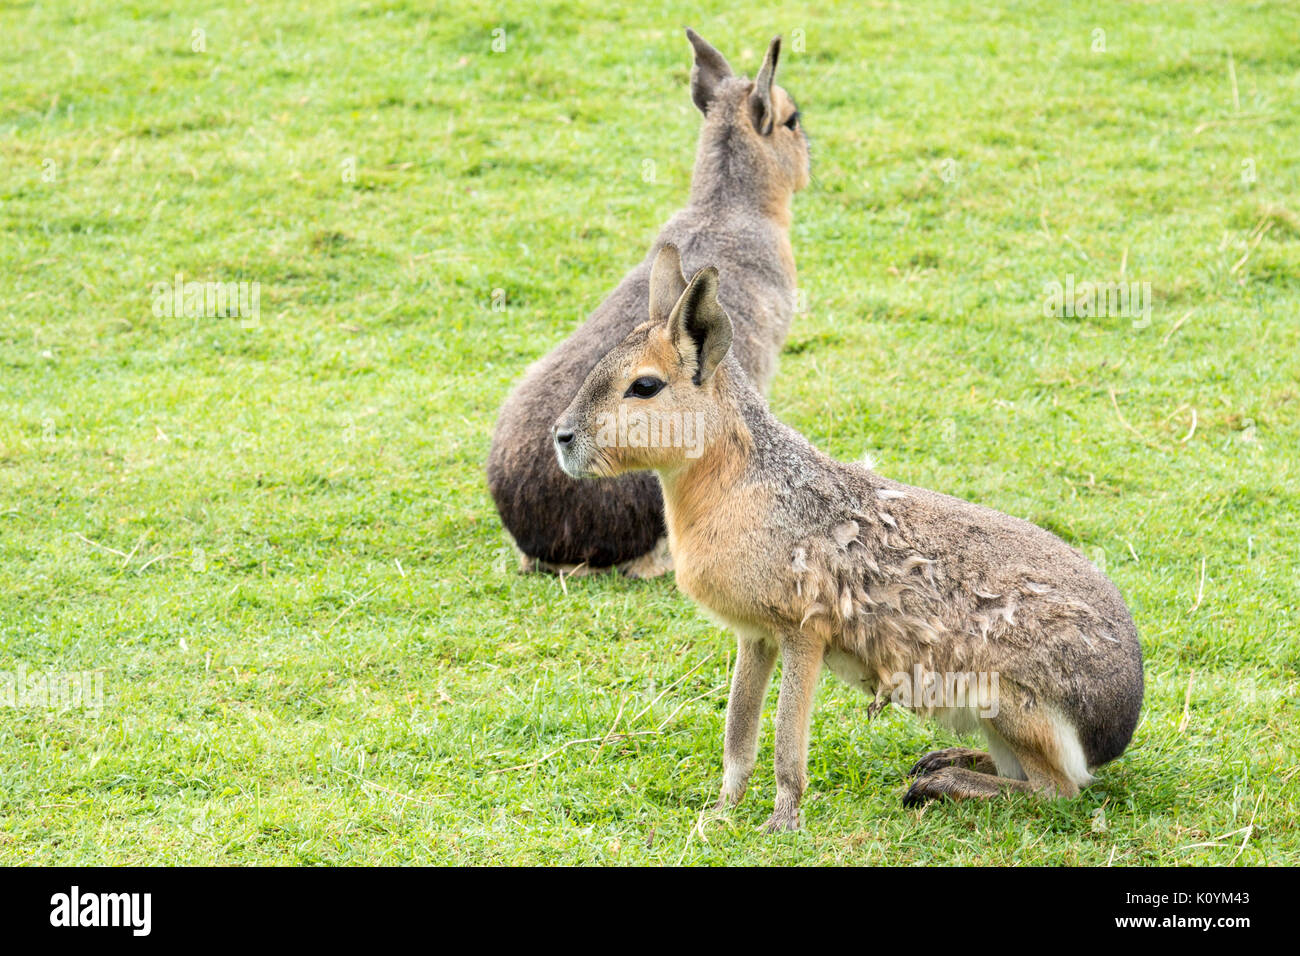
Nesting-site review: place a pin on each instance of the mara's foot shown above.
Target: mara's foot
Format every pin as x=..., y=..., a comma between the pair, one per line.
x=958, y=783
x=976, y=760
x=727, y=800
x=782, y=821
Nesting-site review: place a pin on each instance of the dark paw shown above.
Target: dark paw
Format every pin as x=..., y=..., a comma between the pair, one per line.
x=917, y=794
x=928, y=764
x=932, y=786
x=938, y=759
x=954, y=783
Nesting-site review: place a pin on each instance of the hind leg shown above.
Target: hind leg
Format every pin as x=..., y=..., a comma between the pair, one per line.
x=958, y=783
x=976, y=760
x=1026, y=743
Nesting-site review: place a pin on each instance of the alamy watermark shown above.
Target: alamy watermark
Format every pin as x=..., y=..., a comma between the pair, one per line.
x=208, y=300
x=1127, y=300
x=52, y=690
x=75, y=908
x=962, y=690
x=641, y=428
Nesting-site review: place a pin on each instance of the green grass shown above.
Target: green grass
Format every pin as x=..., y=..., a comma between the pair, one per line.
x=317, y=650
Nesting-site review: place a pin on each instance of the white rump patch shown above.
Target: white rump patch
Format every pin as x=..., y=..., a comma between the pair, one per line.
x=1073, y=762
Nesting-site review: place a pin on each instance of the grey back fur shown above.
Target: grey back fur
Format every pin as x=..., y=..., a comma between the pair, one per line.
x=909, y=576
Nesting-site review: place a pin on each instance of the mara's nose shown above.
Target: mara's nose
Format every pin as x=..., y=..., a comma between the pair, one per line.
x=563, y=436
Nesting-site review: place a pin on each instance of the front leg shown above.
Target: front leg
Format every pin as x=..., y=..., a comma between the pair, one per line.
x=755, y=657
x=801, y=665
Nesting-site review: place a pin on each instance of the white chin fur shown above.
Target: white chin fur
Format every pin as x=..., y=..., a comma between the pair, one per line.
x=567, y=466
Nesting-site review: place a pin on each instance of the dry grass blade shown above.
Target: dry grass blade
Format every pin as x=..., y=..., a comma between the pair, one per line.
x=644, y=710
x=612, y=728
x=712, y=690
x=696, y=830
x=1211, y=124
x=576, y=569
x=1177, y=325
x=376, y=786
x=1187, y=704
x=1253, y=246
x=1247, y=832
x=609, y=735
x=138, y=541
x=1249, y=828
x=1123, y=421
x=347, y=609
x=1200, y=588
x=160, y=557
x=96, y=544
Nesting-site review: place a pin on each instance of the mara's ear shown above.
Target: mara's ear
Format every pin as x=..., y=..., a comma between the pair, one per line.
x=699, y=327
x=760, y=101
x=710, y=69
x=666, y=283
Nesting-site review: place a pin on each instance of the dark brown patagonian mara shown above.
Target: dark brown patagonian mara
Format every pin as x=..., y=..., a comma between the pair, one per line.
x=752, y=158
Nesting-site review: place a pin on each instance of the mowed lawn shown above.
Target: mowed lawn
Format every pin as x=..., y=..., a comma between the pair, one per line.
x=273, y=542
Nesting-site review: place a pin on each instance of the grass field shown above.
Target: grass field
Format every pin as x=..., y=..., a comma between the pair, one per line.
x=272, y=541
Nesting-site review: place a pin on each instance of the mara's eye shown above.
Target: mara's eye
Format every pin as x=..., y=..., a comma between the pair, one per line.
x=644, y=387
x=793, y=121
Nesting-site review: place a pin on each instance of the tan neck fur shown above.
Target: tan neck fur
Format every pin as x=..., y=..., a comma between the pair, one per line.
x=695, y=490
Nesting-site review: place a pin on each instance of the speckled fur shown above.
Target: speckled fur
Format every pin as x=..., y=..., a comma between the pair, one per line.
x=831, y=562
x=738, y=218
